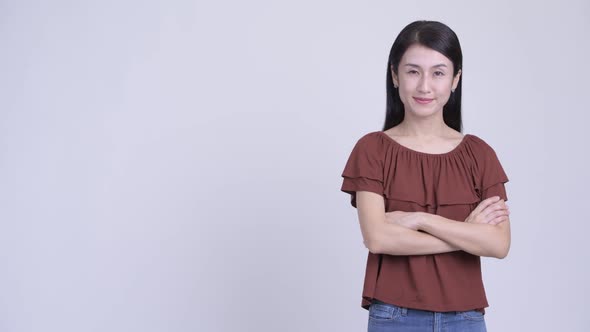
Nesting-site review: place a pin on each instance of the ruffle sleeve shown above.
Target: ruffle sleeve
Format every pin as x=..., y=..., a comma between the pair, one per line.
x=490, y=175
x=364, y=169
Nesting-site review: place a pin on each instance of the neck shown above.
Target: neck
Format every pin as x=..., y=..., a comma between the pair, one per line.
x=423, y=126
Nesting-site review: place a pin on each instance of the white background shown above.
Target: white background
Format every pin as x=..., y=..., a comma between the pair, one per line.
x=175, y=165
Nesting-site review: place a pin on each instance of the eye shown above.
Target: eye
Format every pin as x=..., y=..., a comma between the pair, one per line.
x=412, y=72
x=439, y=73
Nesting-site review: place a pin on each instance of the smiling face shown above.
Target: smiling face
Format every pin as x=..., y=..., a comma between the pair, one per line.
x=425, y=80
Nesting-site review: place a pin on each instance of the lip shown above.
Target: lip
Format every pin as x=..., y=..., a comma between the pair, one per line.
x=423, y=100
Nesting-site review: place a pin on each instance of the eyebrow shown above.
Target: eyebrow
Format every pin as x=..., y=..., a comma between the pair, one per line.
x=414, y=65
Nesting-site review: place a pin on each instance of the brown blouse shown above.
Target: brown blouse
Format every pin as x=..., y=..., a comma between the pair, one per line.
x=448, y=184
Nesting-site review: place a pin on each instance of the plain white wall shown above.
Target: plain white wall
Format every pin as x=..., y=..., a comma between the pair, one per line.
x=175, y=165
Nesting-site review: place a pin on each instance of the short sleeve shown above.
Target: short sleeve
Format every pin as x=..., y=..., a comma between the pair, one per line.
x=492, y=176
x=364, y=168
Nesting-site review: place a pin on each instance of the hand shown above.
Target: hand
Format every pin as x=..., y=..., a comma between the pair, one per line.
x=406, y=219
x=491, y=211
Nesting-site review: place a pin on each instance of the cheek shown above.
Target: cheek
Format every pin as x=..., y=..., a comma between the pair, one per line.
x=407, y=86
x=445, y=95
x=447, y=85
x=443, y=89
x=444, y=99
x=405, y=93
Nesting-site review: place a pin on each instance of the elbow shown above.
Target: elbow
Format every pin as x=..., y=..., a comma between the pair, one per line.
x=376, y=244
x=502, y=251
x=500, y=255
x=373, y=245
x=502, y=245
x=382, y=245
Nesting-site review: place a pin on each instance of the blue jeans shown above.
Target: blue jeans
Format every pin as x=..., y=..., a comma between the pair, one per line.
x=384, y=317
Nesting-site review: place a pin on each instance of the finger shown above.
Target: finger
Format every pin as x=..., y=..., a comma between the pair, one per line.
x=485, y=203
x=488, y=215
x=498, y=214
x=500, y=202
x=499, y=220
x=494, y=207
x=485, y=207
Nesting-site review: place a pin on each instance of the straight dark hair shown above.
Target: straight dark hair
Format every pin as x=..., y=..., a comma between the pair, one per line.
x=436, y=36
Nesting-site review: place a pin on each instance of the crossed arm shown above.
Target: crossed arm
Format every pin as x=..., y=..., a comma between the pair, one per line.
x=486, y=232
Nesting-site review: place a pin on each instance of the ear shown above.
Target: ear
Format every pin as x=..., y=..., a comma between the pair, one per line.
x=456, y=79
x=394, y=76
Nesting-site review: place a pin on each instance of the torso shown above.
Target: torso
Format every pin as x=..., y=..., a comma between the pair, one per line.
x=445, y=175
x=436, y=145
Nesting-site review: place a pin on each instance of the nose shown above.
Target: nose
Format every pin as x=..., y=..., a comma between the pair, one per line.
x=424, y=84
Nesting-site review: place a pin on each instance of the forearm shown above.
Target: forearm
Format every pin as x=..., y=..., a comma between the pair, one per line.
x=397, y=240
x=477, y=239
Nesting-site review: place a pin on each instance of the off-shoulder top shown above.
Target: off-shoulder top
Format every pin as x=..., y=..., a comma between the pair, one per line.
x=449, y=184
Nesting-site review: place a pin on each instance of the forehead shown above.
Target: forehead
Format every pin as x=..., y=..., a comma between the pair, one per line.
x=424, y=57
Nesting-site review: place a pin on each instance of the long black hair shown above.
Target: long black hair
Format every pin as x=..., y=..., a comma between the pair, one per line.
x=436, y=36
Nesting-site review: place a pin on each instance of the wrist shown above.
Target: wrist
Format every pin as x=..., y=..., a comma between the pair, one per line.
x=423, y=219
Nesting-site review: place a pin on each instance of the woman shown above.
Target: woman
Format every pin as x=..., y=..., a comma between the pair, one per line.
x=430, y=200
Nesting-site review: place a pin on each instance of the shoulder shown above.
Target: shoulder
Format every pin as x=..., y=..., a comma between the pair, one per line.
x=485, y=156
x=371, y=136
x=375, y=140
x=478, y=141
x=370, y=148
x=367, y=158
x=480, y=146
x=378, y=138
x=488, y=168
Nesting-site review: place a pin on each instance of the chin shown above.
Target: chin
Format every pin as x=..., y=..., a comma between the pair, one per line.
x=423, y=112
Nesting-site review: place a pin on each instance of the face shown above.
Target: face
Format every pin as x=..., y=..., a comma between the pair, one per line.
x=424, y=80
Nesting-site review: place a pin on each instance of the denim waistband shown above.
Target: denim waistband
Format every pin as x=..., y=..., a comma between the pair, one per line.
x=405, y=310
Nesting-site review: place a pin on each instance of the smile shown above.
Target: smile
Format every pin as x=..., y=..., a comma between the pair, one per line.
x=422, y=100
